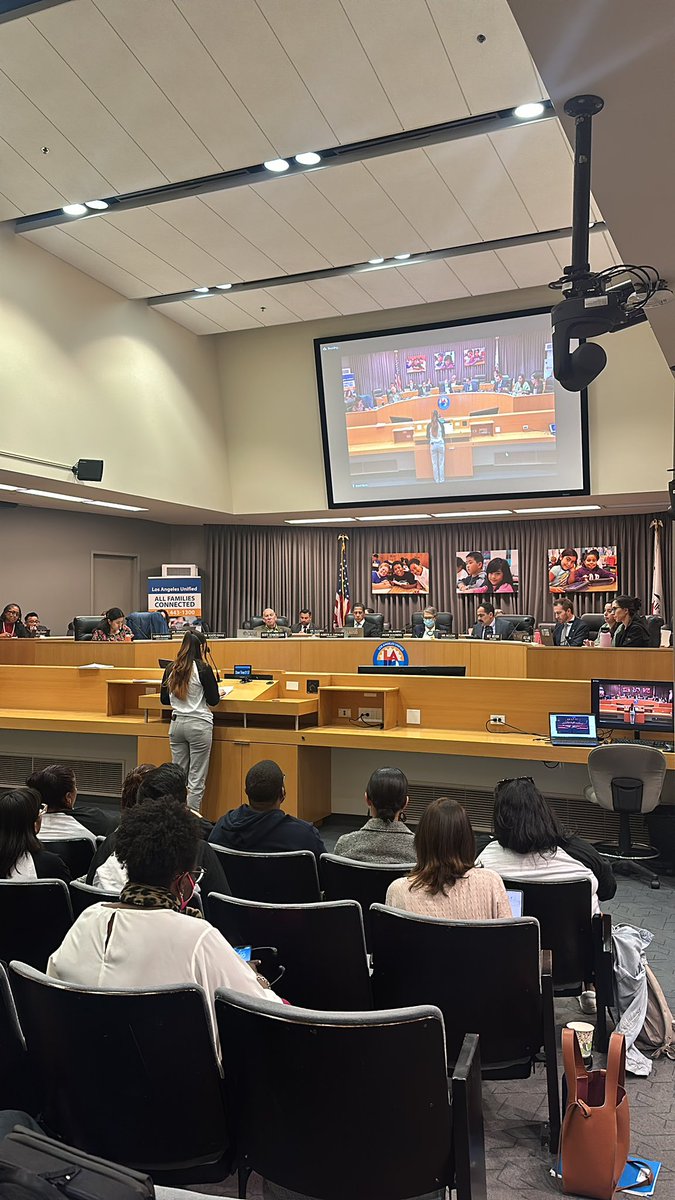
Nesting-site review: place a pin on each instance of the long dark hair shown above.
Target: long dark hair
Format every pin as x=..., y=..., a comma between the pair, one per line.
x=445, y=846
x=387, y=791
x=499, y=564
x=522, y=820
x=52, y=785
x=632, y=603
x=189, y=653
x=19, y=811
x=12, y=604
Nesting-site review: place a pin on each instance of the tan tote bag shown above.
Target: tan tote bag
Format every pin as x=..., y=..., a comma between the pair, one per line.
x=596, y=1128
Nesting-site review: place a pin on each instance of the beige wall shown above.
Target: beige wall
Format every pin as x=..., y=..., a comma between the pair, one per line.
x=86, y=373
x=272, y=419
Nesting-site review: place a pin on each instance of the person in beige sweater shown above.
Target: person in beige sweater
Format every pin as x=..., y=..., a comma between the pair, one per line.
x=445, y=881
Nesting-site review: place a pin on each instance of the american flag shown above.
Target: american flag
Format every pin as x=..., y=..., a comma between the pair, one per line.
x=342, y=600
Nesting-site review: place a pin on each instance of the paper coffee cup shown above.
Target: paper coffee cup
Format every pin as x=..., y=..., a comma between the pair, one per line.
x=584, y=1033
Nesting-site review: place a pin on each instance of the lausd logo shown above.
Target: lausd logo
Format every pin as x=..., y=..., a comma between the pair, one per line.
x=390, y=654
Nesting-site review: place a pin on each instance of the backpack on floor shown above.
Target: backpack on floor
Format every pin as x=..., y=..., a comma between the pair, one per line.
x=657, y=1036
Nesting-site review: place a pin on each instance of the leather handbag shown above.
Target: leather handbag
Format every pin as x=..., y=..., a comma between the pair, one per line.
x=596, y=1128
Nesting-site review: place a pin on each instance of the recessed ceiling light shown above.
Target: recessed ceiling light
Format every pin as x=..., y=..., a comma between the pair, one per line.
x=394, y=518
x=99, y=205
x=494, y=512
x=202, y=290
x=561, y=509
x=72, y=499
x=319, y=521
x=375, y=262
x=401, y=256
x=526, y=112
x=276, y=164
x=112, y=504
x=310, y=159
x=223, y=287
x=74, y=210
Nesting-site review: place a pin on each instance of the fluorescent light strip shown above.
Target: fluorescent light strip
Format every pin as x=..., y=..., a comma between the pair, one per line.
x=495, y=512
x=319, y=521
x=560, y=509
x=394, y=518
x=10, y=487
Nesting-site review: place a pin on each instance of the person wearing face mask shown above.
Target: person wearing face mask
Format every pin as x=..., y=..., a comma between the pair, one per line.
x=428, y=629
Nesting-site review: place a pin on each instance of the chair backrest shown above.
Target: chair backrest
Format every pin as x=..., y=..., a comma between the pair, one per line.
x=35, y=916
x=83, y=895
x=257, y=622
x=483, y=975
x=522, y=622
x=343, y=1072
x=374, y=620
x=125, y=1053
x=643, y=763
x=289, y=877
x=83, y=627
x=144, y=625
x=443, y=621
x=321, y=947
x=593, y=620
x=347, y=879
x=654, y=627
x=563, y=911
x=15, y=1088
x=76, y=853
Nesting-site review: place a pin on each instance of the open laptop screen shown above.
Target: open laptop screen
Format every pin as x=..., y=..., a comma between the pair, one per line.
x=572, y=726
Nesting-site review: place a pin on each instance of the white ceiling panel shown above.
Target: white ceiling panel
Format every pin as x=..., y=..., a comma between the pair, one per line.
x=483, y=273
x=499, y=72
x=534, y=156
x=320, y=41
x=424, y=197
x=264, y=308
x=303, y=300
x=436, y=281
x=359, y=197
x=91, y=262
x=530, y=266
x=345, y=295
x=54, y=88
x=251, y=216
x=190, y=317
x=389, y=28
x=225, y=313
x=390, y=287
x=121, y=248
x=251, y=57
x=603, y=252
x=196, y=219
x=483, y=187
x=146, y=227
x=309, y=212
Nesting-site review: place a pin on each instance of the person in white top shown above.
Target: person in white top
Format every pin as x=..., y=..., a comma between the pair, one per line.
x=57, y=788
x=190, y=686
x=150, y=937
x=21, y=855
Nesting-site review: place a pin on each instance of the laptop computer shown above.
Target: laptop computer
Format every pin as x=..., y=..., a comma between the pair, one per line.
x=572, y=729
x=546, y=632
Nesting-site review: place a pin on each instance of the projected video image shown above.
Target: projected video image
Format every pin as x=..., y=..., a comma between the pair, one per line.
x=466, y=410
x=627, y=705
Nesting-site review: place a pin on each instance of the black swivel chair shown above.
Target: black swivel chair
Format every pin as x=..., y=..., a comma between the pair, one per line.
x=343, y=1071
x=581, y=944
x=287, y=878
x=16, y=1089
x=320, y=946
x=522, y=622
x=83, y=895
x=443, y=623
x=76, y=853
x=35, y=916
x=487, y=977
x=594, y=621
x=257, y=622
x=654, y=627
x=374, y=626
x=131, y=1076
x=627, y=779
x=348, y=879
x=83, y=627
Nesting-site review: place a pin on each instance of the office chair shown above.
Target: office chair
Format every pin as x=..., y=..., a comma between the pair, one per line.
x=627, y=779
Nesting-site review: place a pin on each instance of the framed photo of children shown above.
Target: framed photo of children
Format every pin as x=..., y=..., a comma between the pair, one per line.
x=399, y=574
x=490, y=572
x=583, y=569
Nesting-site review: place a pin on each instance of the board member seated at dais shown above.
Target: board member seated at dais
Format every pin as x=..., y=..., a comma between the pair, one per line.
x=569, y=630
x=385, y=838
x=271, y=622
x=364, y=621
x=429, y=628
x=305, y=623
x=260, y=827
x=112, y=628
x=632, y=628
x=490, y=626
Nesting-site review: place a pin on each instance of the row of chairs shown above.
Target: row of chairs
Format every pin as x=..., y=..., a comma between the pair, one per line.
x=94, y=1057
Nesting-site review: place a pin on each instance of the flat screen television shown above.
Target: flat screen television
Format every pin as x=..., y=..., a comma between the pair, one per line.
x=634, y=706
x=504, y=429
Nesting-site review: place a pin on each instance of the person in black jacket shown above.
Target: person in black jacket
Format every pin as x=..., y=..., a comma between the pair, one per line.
x=64, y=814
x=190, y=687
x=11, y=624
x=260, y=826
x=21, y=855
x=632, y=630
x=569, y=630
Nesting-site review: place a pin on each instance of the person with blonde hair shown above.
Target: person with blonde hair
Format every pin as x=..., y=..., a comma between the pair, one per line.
x=191, y=688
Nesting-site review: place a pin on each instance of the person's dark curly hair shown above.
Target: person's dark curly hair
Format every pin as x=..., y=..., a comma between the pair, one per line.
x=166, y=780
x=157, y=841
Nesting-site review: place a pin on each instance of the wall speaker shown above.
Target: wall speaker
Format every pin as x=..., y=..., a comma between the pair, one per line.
x=89, y=470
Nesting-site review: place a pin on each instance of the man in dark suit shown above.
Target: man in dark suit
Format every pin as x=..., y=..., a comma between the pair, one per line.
x=364, y=621
x=489, y=626
x=569, y=630
x=305, y=623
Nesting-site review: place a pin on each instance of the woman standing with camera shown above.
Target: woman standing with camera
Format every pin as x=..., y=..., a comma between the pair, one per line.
x=190, y=687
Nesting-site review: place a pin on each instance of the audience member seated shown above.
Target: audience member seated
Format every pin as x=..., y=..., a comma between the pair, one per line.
x=632, y=629
x=529, y=844
x=11, y=624
x=384, y=838
x=57, y=787
x=260, y=826
x=150, y=936
x=271, y=621
x=34, y=627
x=112, y=628
x=363, y=620
x=305, y=623
x=142, y=784
x=446, y=881
x=568, y=630
x=21, y=855
x=489, y=625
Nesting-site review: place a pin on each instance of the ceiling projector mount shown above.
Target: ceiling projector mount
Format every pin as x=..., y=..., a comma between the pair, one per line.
x=595, y=302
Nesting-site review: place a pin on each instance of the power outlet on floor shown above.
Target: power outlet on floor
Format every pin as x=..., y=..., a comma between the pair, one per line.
x=498, y=719
x=370, y=714
x=344, y=712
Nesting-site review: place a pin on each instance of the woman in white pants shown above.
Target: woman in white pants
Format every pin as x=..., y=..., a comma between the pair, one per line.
x=436, y=439
x=190, y=686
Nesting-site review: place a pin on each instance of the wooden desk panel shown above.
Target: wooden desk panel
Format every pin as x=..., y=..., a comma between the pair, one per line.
x=589, y=662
